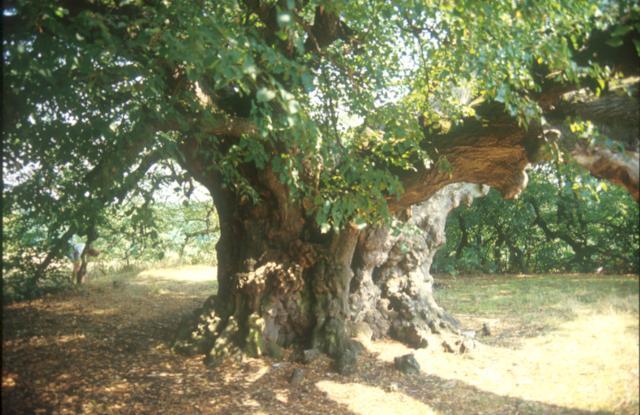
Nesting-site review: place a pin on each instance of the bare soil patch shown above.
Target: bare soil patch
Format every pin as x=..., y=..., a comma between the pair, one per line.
x=104, y=350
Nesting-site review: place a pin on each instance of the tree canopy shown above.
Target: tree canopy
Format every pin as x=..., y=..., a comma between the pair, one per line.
x=347, y=103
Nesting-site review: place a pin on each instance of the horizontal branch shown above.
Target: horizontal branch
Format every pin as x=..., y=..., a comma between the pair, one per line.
x=616, y=116
x=496, y=152
x=230, y=126
x=493, y=151
x=621, y=169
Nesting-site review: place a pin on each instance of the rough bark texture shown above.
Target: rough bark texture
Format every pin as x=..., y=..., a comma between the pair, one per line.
x=620, y=168
x=393, y=289
x=494, y=153
x=281, y=282
x=616, y=115
x=278, y=289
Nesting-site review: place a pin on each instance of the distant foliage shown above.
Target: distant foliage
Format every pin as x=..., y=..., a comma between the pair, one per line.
x=564, y=221
x=171, y=232
x=137, y=233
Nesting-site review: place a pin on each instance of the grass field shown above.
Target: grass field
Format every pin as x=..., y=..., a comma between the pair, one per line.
x=530, y=305
x=568, y=340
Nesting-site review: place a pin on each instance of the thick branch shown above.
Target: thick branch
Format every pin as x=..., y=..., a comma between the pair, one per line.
x=617, y=116
x=229, y=126
x=621, y=169
x=493, y=154
x=326, y=29
x=496, y=151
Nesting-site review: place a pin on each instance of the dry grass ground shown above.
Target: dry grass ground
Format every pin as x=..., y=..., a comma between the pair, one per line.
x=559, y=345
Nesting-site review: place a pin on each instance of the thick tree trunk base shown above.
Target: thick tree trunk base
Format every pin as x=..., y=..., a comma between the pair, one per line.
x=392, y=291
x=268, y=311
x=401, y=305
x=275, y=306
x=308, y=296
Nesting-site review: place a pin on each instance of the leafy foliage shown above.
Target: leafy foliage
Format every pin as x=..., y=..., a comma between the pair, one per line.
x=171, y=232
x=326, y=95
x=564, y=221
x=131, y=236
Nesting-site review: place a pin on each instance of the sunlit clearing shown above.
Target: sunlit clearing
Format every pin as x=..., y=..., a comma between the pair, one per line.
x=192, y=273
x=369, y=400
x=589, y=363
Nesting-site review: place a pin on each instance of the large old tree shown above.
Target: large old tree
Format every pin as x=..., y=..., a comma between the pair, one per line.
x=333, y=136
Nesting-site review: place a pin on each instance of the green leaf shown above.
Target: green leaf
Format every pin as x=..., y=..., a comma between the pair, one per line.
x=622, y=30
x=265, y=95
x=61, y=12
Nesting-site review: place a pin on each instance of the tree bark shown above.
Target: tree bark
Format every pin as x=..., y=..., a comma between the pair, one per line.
x=281, y=282
x=393, y=288
x=88, y=251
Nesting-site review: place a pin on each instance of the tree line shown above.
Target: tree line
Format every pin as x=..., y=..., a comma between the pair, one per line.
x=565, y=221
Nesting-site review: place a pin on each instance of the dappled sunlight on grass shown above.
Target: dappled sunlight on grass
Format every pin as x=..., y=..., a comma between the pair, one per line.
x=588, y=363
x=525, y=306
x=105, y=348
x=188, y=281
x=370, y=400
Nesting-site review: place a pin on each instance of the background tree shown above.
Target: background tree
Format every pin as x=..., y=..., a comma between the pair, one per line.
x=172, y=232
x=166, y=218
x=564, y=221
x=309, y=122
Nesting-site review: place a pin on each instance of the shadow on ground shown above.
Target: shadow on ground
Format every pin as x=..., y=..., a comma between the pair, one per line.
x=104, y=350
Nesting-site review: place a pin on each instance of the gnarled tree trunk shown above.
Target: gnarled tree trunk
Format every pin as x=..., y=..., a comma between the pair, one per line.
x=393, y=288
x=281, y=282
